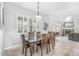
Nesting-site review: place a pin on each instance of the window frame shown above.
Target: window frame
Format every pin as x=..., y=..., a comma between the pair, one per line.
x=22, y=24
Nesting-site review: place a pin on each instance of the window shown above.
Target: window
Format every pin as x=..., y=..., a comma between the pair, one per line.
x=22, y=24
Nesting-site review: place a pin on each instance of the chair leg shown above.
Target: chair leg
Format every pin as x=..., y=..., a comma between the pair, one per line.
x=36, y=48
x=25, y=51
x=33, y=48
x=47, y=49
x=30, y=51
x=41, y=51
x=53, y=45
x=54, y=42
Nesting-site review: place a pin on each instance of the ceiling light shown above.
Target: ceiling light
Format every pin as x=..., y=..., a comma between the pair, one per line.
x=38, y=17
x=68, y=19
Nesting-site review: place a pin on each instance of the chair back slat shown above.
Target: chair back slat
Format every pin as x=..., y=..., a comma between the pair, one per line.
x=38, y=35
x=23, y=38
x=31, y=35
x=44, y=39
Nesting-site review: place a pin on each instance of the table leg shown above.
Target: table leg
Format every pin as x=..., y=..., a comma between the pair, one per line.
x=33, y=48
x=49, y=47
x=31, y=51
x=41, y=51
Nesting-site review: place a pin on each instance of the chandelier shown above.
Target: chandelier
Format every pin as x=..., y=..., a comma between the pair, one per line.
x=38, y=17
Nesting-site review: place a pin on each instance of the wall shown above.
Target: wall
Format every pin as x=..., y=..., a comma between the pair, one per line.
x=11, y=38
x=55, y=21
x=0, y=14
x=45, y=19
x=76, y=24
x=0, y=33
x=1, y=41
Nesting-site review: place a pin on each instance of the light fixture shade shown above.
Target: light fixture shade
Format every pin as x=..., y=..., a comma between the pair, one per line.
x=68, y=19
x=38, y=17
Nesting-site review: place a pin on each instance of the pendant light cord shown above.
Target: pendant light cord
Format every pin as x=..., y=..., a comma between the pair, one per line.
x=38, y=8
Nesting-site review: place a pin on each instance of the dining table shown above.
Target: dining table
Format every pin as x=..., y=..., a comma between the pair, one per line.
x=32, y=41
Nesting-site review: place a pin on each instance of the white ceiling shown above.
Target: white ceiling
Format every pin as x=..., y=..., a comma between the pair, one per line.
x=48, y=8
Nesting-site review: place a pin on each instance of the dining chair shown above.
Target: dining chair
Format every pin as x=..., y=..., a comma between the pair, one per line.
x=38, y=44
x=51, y=37
x=31, y=37
x=50, y=40
x=25, y=44
x=38, y=35
x=45, y=42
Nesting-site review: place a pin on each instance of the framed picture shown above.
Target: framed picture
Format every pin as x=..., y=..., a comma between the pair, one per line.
x=45, y=26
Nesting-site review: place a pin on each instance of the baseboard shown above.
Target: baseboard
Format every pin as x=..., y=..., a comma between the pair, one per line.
x=13, y=47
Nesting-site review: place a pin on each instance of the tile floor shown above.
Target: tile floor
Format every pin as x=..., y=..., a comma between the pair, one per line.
x=63, y=47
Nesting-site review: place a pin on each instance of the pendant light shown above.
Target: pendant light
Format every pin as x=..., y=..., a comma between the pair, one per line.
x=38, y=17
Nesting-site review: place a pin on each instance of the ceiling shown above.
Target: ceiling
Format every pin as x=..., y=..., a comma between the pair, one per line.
x=49, y=8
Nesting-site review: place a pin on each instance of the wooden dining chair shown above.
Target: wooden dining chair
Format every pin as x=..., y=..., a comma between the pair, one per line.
x=51, y=37
x=31, y=37
x=38, y=44
x=26, y=45
x=43, y=43
x=38, y=35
